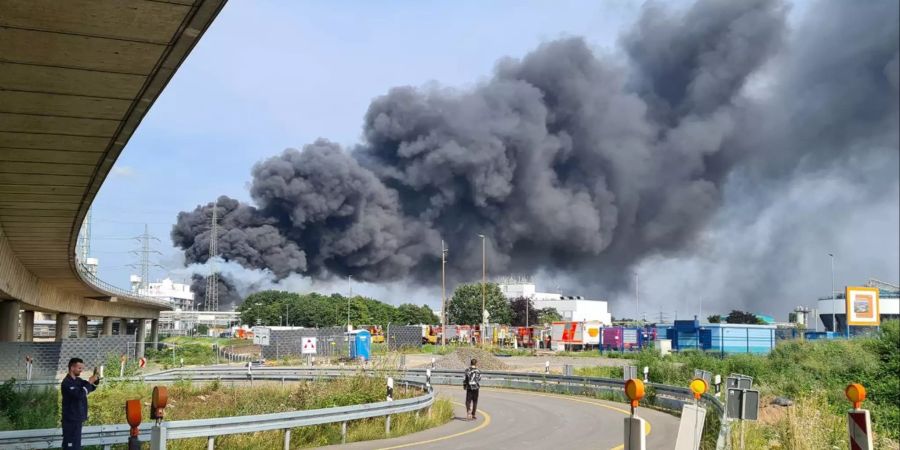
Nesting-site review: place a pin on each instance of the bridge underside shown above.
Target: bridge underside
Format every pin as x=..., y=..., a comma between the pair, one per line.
x=76, y=78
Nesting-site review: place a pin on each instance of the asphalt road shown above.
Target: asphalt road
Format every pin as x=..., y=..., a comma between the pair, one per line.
x=517, y=419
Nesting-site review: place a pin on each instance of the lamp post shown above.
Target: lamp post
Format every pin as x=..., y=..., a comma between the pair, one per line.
x=443, y=294
x=637, y=298
x=483, y=280
x=833, y=320
x=350, y=286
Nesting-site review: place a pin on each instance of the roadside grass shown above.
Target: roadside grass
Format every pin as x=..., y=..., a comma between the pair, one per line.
x=813, y=374
x=40, y=409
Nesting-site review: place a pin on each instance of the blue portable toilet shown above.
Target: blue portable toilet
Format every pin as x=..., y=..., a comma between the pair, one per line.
x=360, y=344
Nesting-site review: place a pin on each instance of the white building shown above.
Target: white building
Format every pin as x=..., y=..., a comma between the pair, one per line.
x=178, y=294
x=888, y=306
x=574, y=308
x=180, y=322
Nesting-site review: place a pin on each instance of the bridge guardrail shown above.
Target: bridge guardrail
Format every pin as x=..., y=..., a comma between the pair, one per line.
x=672, y=396
x=101, y=285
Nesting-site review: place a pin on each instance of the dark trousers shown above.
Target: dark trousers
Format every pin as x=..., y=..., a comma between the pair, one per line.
x=471, y=401
x=71, y=435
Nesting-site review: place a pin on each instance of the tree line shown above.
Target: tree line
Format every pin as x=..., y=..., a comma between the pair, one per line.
x=280, y=308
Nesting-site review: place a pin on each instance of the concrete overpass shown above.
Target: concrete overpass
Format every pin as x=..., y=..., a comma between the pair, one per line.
x=76, y=78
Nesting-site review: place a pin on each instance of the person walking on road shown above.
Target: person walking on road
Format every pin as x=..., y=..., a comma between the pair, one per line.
x=74, y=403
x=471, y=383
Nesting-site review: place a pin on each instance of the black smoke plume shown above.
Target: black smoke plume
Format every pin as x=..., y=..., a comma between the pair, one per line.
x=570, y=160
x=229, y=297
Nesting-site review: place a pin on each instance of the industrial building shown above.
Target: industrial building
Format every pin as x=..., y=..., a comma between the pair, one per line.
x=718, y=337
x=572, y=308
x=888, y=307
x=179, y=295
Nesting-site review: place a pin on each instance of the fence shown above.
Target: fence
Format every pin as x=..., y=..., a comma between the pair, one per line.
x=51, y=358
x=403, y=336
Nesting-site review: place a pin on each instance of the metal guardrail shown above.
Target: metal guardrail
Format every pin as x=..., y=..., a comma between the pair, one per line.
x=108, y=435
x=670, y=396
x=104, y=286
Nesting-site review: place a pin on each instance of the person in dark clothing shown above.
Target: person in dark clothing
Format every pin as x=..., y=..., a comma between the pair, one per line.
x=74, y=403
x=471, y=383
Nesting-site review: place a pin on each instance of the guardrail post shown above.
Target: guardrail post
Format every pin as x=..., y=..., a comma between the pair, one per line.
x=344, y=432
x=211, y=443
x=158, y=437
x=287, y=439
x=390, y=398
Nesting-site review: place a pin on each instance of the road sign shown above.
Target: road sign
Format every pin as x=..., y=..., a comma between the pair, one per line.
x=260, y=335
x=309, y=346
x=703, y=375
x=742, y=404
x=142, y=362
x=629, y=372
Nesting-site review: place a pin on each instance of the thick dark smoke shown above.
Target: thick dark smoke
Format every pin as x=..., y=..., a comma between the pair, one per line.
x=228, y=294
x=567, y=160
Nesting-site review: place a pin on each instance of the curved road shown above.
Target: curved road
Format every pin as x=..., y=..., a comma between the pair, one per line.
x=521, y=419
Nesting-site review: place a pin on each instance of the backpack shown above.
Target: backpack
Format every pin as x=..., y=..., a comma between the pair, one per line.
x=473, y=377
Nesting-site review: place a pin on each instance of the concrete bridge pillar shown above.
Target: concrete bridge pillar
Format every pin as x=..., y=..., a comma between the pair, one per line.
x=62, y=326
x=27, y=326
x=154, y=333
x=107, y=326
x=9, y=320
x=123, y=327
x=140, y=336
x=82, y=326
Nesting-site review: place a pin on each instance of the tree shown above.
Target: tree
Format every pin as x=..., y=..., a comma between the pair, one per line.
x=715, y=318
x=523, y=312
x=202, y=329
x=736, y=316
x=464, y=307
x=410, y=314
x=547, y=315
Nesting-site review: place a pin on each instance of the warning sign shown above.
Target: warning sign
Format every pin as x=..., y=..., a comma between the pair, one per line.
x=309, y=346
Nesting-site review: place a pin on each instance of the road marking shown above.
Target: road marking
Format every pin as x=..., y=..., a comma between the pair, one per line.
x=487, y=421
x=627, y=413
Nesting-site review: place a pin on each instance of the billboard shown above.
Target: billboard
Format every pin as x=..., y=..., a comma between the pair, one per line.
x=862, y=306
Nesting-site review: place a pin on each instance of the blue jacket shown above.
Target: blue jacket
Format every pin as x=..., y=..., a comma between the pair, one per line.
x=74, y=398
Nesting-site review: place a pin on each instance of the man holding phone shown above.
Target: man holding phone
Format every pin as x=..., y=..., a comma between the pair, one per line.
x=74, y=403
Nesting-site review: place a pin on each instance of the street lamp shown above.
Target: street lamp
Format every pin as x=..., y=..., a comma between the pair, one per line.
x=349, y=285
x=637, y=298
x=443, y=294
x=483, y=280
x=833, y=320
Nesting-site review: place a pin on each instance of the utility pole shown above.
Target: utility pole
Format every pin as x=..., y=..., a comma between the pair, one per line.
x=637, y=298
x=833, y=321
x=483, y=280
x=350, y=285
x=443, y=294
x=212, y=282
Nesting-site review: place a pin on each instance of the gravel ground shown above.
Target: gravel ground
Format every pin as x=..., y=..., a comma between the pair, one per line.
x=454, y=361
x=460, y=359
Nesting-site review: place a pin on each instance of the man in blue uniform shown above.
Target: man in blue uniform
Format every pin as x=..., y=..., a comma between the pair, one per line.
x=74, y=403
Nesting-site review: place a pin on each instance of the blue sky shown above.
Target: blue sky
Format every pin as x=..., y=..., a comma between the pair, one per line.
x=271, y=75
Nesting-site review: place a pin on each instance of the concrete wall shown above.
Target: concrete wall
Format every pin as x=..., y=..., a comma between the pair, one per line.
x=51, y=358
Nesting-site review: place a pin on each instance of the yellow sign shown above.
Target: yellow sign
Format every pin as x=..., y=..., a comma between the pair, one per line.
x=699, y=387
x=634, y=389
x=862, y=306
x=856, y=393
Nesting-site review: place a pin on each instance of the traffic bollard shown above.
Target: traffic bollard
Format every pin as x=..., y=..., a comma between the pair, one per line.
x=646, y=374
x=547, y=367
x=635, y=438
